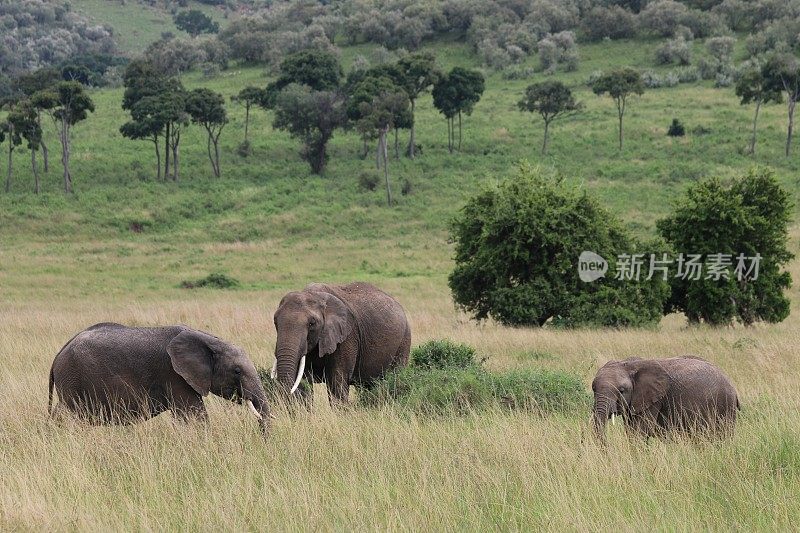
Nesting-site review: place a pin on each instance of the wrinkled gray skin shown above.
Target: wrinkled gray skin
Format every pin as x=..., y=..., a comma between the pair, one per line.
x=110, y=373
x=656, y=396
x=350, y=334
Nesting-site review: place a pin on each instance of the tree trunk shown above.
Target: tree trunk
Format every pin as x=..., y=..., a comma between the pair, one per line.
x=158, y=159
x=385, y=154
x=175, y=158
x=35, y=169
x=450, y=134
x=459, y=131
x=65, y=156
x=621, y=112
x=216, y=157
x=790, y=129
x=412, y=146
x=10, y=161
x=246, y=120
x=544, y=142
x=45, y=155
x=755, y=123
x=166, y=151
x=211, y=155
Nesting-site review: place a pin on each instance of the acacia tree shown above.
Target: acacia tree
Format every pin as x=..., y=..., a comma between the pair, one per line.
x=782, y=74
x=248, y=97
x=207, y=108
x=752, y=88
x=176, y=119
x=311, y=116
x=377, y=106
x=551, y=99
x=28, y=85
x=619, y=84
x=149, y=119
x=9, y=132
x=147, y=123
x=455, y=94
x=417, y=73
x=24, y=120
x=67, y=103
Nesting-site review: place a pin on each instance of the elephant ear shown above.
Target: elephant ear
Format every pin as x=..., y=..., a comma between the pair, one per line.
x=192, y=355
x=650, y=384
x=338, y=324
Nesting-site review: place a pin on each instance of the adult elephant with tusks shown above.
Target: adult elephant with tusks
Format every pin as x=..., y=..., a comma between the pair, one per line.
x=341, y=335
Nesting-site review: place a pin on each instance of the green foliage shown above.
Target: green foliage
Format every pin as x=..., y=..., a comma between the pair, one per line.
x=516, y=251
x=455, y=94
x=747, y=216
x=215, y=280
x=311, y=116
x=447, y=378
x=676, y=128
x=551, y=99
x=443, y=354
x=619, y=84
x=195, y=22
x=318, y=69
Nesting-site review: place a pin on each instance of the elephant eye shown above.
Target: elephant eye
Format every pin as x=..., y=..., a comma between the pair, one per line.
x=312, y=321
x=237, y=370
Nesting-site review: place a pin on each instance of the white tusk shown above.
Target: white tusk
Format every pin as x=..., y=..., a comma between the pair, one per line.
x=613, y=419
x=299, y=374
x=274, y=372
x=253, y=408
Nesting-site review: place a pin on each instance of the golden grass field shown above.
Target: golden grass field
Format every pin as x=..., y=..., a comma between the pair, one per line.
x=365, y=469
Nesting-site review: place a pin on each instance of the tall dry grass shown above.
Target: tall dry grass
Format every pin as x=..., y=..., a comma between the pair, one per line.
x=363, y=470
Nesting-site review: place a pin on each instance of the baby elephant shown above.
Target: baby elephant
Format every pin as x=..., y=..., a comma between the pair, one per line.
x=110, y=373
x=654, y=396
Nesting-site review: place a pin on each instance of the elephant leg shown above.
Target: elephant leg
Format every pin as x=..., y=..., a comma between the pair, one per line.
x=339, y=369
x=189, y=408
x=305, y=393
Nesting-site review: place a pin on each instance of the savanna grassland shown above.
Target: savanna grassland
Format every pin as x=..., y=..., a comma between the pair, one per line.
x=70, y=261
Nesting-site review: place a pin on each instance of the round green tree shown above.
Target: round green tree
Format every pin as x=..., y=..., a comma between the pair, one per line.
x=517, y=246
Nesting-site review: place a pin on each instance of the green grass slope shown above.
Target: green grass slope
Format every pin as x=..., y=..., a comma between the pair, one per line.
x=136, y=24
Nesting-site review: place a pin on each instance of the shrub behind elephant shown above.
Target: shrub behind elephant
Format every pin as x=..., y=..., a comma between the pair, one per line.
x=110, y=373
x=654, y=396
x=340, y=335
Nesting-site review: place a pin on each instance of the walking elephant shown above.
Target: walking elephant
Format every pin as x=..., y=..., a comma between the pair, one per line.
x=654, y=396
x=110, y=373
x=341, y=335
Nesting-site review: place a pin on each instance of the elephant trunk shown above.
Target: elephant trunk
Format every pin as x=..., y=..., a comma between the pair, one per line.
x=256, y=401
x=600, y=417
x=289, y=351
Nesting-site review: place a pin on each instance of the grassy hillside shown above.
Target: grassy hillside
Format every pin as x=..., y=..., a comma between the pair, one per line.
x=135, y=23
x=118, y=249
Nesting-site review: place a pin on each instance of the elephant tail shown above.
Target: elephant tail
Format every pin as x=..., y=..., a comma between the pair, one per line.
x=50, y=393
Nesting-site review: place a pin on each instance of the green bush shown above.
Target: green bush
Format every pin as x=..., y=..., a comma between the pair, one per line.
x=215, y=280
x=516, y=252
x=749, y=216
x=444, y=377
x=676, y=129
x=455, y=391
x=443, y=354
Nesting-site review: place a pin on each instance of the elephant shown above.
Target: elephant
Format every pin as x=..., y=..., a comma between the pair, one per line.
x=113, y=374
x=341, y=335
x=655, y=396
